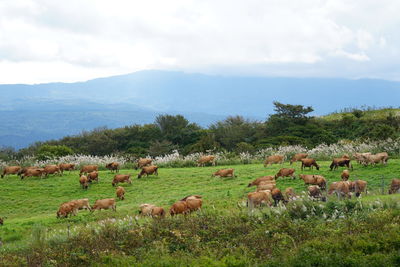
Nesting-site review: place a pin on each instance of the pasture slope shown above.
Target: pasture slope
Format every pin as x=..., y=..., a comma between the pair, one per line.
x=33, y=201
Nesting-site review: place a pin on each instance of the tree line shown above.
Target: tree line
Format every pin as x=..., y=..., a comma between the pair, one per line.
x=289, y=125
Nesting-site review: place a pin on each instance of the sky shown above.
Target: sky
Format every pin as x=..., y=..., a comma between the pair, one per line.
x=75, y=40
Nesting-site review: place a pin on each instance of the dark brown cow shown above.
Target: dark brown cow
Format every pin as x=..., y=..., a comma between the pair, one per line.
x=113, y=166
x=277, y=196
x=309, y=163
x=148, y=170
x=10, y=170
x=121, y=178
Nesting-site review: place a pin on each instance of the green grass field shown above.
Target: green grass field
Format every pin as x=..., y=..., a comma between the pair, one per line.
x=32, y=201
x=367, y=115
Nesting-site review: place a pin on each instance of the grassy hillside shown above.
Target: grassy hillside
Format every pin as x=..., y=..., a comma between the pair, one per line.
x=366, y=115
x=35, y=201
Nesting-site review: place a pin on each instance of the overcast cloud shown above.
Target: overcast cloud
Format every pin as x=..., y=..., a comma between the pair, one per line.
x=49, y=40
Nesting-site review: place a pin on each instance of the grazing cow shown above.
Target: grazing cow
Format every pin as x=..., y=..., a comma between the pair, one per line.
x=285, y=172
x=359, y=157
x=24, y=169
x=113, y=166
x=261, y=179
x=298, y=157
x=274, y=159
x=93, y=176
x=341, y=188
x=290, y=194
x=84, y=181
x=394, y=186
x=104, y=204
x=81, y=204
x=206, y=159
x=121, y=178
x=32, y=172
x=88, y=168
x=148, y=170
x=375, y=159
x=151, y=210
x=266, y=185
x=384, y=156
x=345, y=175
x=277, y=196
x=66, y=167
x=224, y=173
x=340, y=162
x=193, y=202
x=179, y=207
x=315, y=192
x=255, y=199
x=10, y=170
x=143, y=162
x=310, y=179
x=67, y=208
x=51, y=169
x=358, y=187
x=309, y=163
x=120, y=192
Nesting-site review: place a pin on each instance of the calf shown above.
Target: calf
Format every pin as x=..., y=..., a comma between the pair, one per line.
x=309, y=163
x=148, y=170
x=93, y=176
x=67, y=208
x=10, y=170
x=274, y=159
x=224, y=173
x=113, y=166
x=84, y=181
x=104, y=204
x=206, y=159
x=359, y=187
x=121, y=178
x=394, y=186
x=120, y=192
x=179, y=207
x=261, y=179
x=285, y=172
x=277, y=196
x=88, y=168
x=298, y=157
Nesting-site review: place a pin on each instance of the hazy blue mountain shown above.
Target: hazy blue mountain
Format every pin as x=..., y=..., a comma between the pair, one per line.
x=39, y=112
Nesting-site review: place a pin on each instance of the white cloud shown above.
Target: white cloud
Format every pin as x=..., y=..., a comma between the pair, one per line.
x=49, y=40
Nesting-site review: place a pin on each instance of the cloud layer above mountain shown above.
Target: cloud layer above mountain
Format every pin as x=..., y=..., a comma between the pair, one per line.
x=47, y=40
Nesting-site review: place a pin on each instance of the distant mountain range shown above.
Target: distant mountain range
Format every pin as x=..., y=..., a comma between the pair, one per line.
x=30, y=113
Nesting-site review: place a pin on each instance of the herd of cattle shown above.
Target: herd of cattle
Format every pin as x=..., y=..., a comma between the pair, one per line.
x=266, y=192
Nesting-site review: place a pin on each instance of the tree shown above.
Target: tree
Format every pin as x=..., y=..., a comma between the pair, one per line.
x=177, y=129
x=291, y=111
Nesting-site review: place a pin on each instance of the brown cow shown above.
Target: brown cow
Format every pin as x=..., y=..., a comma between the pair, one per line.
x=290, y=194
x=206, y=159
x=359, y=157
x=341, y=188
x=358, y=187
x=120, y=192
x=255, y=199
x=266, y=185
x=142, y=163
x=148, y=170
x=32, y=172
x=308, y=162
x=121, y=178
x=340, y=162
x=375, y=159
x=151, y=210
x=274, y=159
x=285, y=172
x=261, y=179
x=66, y=209
x=66, y=167
x=84, y=181
x=193, y=202
x=104, y=204
x=315, y=192
x=113, y=166
x=345, y=175
x=81, y=204
x=394, y=186
x=51, y=169
x=93, y=176
x=179, y=207
x=24, y=169
x=88, y=168
x=298, y=157
x=277, y=196
x=224, y=173
x=310, y=179
x=10, y=170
